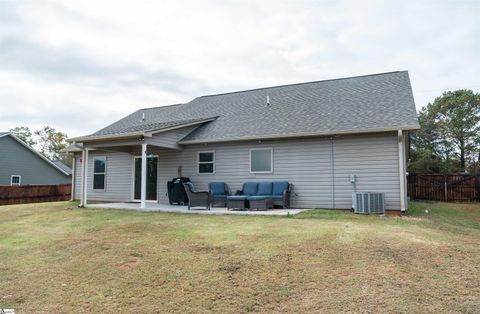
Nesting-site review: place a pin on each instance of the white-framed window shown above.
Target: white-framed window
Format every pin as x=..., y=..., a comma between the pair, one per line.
x=261, y=160
x=206, y=162
x=99, y=172
x=15, y=179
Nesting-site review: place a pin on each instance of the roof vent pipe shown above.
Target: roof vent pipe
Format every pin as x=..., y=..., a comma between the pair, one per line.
x=143, y=116
x=268, y=100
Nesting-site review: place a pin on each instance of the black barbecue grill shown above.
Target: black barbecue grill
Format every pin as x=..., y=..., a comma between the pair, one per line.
x=176, y=191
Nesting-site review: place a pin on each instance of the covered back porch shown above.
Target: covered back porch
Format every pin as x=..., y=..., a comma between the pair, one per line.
x=124, y=167
x=143, y=175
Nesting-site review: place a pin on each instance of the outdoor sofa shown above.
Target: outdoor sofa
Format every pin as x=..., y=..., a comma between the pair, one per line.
x=261, y=195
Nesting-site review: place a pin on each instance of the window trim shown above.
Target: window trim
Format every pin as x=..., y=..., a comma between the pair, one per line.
x=104, y=174
x=19, y=179
x=206, y=162
x=250, y=159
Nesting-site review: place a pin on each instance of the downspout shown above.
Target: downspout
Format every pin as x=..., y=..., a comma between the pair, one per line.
x=72, y=198
x=333, y=171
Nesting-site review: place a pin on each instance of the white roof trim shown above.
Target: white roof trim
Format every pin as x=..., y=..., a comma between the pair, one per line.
x=36, y=153
x=107, y=136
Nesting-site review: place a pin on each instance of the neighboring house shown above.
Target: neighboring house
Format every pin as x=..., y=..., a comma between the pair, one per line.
x=315, y=135
x=20, y=164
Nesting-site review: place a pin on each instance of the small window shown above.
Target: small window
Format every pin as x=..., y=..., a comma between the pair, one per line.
x=99, y=171
x=261, y=160
x=15, y=180
x=206, y=162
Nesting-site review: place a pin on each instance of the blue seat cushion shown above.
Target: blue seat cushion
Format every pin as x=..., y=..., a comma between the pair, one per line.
x=258, y=197
x=279, y=187
x=217, y=188
x=250, y=188
x=220, y=196
x=192, y=187
x=264, y=188
x=237, y=197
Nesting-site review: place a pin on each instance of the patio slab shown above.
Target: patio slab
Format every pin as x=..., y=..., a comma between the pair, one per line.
x=167, y=208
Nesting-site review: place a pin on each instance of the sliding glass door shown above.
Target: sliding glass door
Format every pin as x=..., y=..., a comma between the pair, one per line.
x=152, y=170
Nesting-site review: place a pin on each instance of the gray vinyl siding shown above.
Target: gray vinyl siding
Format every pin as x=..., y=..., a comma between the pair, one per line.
x=375, y=163
x=306, y=163
x=169, y=139
x=16, y=159
x=118, y=186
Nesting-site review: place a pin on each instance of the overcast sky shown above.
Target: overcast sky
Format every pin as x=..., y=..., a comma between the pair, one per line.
x=80, y=65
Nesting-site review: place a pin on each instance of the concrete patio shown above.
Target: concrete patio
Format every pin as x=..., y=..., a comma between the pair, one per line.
x=167, y=208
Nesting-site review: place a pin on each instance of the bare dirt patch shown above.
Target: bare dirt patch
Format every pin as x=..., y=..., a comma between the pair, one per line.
x=131, y=263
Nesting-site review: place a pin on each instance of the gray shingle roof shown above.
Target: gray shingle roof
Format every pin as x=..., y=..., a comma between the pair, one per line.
x=135, y=123
x=356, y=104
x=62, y=166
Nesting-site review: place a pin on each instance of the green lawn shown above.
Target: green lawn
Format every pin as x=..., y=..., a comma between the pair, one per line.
x=57, y=258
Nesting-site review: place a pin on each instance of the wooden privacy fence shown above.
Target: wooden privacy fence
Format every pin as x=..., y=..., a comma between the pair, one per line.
x=34, y=193
x=446, y=188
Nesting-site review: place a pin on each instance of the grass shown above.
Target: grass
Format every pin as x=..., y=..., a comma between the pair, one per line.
x=57, y=258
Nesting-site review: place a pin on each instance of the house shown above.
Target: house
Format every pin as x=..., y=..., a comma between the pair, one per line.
x=316, y=135
x=20, y=164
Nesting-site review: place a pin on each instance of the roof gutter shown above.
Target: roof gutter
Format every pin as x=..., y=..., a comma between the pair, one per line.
x=92, y=138
x=299, y=135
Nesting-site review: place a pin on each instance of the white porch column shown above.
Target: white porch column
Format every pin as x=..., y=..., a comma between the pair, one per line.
x=73, y=178
x=85, y=180
x=82, y=181
x=401, y=167
x=143, y=191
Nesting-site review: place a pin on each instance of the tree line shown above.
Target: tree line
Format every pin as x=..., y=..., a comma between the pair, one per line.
x=47, y=141
x=449, y=138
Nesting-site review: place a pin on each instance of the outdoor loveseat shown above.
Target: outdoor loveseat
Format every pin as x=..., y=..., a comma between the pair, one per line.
x=261, y=195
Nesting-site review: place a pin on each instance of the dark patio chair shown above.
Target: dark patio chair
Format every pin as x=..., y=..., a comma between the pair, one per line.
x=197, y=198
x=218, y=193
